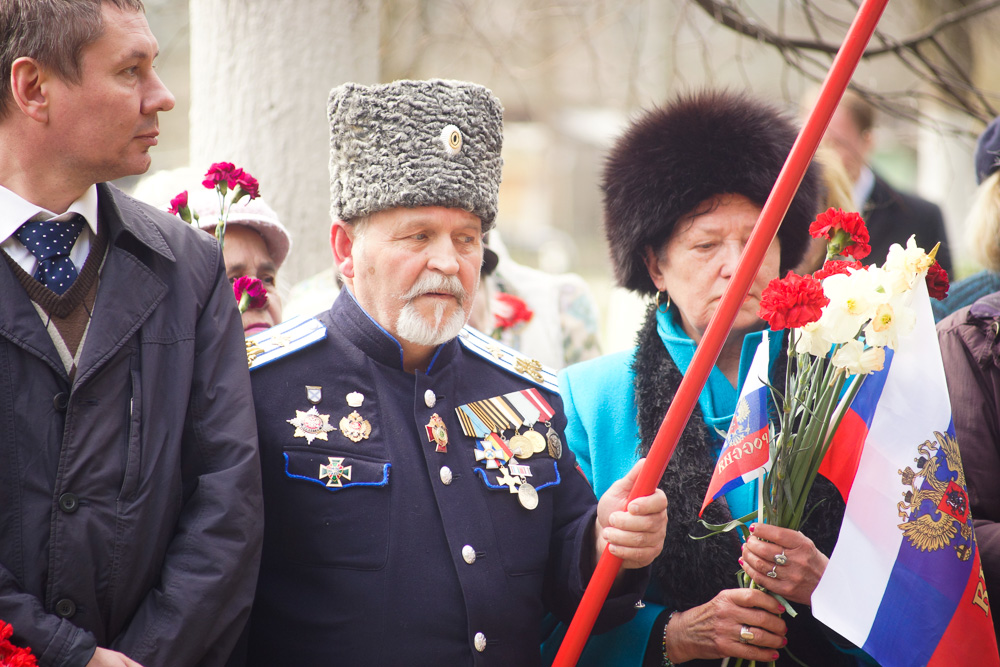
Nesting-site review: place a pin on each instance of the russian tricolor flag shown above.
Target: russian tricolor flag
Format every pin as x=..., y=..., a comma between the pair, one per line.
x=747, y=448
x=904, y=582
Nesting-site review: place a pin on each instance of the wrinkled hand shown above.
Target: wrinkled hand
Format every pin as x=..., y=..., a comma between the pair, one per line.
x=107, y=658
x=712, y=630
x=635, y=535
x=804, y=563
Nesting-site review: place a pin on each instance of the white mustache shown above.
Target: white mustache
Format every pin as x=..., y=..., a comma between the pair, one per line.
x=435, y=282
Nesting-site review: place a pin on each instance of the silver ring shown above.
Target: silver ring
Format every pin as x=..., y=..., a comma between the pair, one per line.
x=781, y=558
x=746, y=635
x=773, y=573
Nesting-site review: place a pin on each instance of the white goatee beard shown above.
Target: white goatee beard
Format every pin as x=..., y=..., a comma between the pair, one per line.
x=414, y=328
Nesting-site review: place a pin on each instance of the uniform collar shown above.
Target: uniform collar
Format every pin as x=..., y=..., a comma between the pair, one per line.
x=361, y=329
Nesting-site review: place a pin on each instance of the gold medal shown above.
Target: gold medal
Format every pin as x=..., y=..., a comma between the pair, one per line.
x=527, y=496
x=354, y=427
x=520, y=446
x=537, y=440
x=310, y=425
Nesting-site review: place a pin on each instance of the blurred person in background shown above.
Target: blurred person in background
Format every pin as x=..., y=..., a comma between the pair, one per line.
x=549, y=317
x=891, y=216
x=982, y=228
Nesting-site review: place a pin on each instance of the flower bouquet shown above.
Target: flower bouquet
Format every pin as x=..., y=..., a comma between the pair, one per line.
x=10, y=655
x=840, y=320
x=231, y=184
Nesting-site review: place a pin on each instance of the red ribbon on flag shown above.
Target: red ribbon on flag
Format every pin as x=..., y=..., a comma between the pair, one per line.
x=707, y=353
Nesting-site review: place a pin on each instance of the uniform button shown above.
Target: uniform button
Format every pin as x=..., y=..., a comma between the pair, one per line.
x=469, y=554
x=60, y=401
x=445, y=475
x=430, y=398
x=65, y=608
x=68, y=502
x=480, y=642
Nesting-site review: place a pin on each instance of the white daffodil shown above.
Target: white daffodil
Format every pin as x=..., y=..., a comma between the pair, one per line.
x=810, y=339
x=853, y=300
x=891, y=320
x=904, y=265
x=855, y=359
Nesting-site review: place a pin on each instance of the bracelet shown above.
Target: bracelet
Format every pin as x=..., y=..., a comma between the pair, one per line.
x=666, y=660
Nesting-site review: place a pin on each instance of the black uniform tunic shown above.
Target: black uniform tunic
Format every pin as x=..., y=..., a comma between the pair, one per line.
x=406, y=555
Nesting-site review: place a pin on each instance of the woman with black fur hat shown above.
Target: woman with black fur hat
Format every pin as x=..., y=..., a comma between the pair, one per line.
x=683, y=189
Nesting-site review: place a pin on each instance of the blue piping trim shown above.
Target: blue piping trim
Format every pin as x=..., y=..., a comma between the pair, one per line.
x=390, y=336
x=482, y=473
x=433, y=359
x=384, y=482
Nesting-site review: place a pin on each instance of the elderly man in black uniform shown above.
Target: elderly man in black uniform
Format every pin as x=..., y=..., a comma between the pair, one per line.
x=420, y=507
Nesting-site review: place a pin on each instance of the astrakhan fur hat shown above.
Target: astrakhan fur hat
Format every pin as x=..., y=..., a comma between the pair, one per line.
x=674, y=158
x=414, y=143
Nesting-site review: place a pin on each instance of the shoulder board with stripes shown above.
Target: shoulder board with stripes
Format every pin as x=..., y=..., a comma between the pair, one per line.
x=508, y=358
x=283, y=339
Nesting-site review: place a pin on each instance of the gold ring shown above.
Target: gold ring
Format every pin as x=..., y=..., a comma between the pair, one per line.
x=746, y=635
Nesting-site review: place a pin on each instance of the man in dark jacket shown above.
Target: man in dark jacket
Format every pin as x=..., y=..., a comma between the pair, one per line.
x=892, y=216
x=129, y=479
x=421, y=509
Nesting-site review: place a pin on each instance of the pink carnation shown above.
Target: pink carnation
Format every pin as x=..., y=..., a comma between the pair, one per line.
x=250, y=293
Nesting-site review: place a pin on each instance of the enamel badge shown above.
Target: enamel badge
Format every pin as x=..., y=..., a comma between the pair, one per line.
x=354, y=427
x=310, y=425
x=437, y=433
x=334, y=471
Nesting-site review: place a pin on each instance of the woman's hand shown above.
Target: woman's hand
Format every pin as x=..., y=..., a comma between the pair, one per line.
x=791, y=557
x=714, y=629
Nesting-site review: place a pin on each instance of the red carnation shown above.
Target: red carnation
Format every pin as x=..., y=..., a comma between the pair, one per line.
x=247, y=185
x=509, y=310
x=834, y=266
x=177, y=203
x=846, y=233
x=222, y=172
x=937, y=281
x=10, y=655
x=250, y=293
x=792, y=301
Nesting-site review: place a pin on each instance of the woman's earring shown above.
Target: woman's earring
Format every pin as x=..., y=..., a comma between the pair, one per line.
x=660, y=305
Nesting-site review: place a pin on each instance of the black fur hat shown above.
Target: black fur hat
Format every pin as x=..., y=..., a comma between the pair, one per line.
x=674, y=158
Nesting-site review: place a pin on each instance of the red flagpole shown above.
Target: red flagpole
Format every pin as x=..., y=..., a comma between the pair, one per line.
x=721, y=323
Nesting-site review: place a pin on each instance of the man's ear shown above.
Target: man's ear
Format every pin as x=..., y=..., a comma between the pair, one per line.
x=342, y=244
x=29, y=83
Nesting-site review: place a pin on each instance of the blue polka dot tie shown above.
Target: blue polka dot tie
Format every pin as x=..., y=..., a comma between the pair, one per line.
x=50, y=242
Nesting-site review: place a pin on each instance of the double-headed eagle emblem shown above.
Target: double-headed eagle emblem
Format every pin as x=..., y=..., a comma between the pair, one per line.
x=936, y=507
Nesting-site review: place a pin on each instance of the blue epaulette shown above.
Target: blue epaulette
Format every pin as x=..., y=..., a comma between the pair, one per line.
x=283, y=339
x=508, y=358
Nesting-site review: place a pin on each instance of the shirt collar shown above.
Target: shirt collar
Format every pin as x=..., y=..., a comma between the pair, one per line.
x=863, y=188
x=15, y=211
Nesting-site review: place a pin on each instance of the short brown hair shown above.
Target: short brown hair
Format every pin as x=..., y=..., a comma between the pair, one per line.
x=860, y=110
x=53, y=32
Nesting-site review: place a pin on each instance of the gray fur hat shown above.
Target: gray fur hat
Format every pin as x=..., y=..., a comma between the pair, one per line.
x=414, y=143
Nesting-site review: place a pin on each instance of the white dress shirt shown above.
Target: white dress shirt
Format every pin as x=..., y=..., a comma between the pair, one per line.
x=15, y=211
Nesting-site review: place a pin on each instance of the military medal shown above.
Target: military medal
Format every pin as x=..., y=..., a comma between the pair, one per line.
x=355, y=427
x=527, y=496
x=520, y=446
x=437, y=433
x=314, y=394
x=310, y=425
x=334, y=470
x=536, y=439
x=555, y=444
